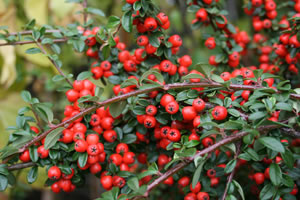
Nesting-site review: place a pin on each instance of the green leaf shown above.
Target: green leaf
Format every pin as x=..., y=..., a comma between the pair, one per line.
x=127, y=21
x=230, y=166
x=284, y=106
x=217, y=78
x=84, y=75
x=190, y=76
x=197, y=173
x=33, y=153
x=82, y=159
x=239, y=188
x=257, y=115
x=129, y=82
x=78, y=45
x=44, y=111
x=33, y=50
x=95, y=11
x=113, y=21
x=129, y=139
x=288, y=158
x=234, y=112
x=267, y=192
x=205, y=69
x=52, y=138
x=272, y=143
x=275, y=174
x=32, y=174
x=26, y=96
x=133, y=183
x=115, y=109
x=106, y=51
x=4, y=170
x=3, y=182
x=233, y=125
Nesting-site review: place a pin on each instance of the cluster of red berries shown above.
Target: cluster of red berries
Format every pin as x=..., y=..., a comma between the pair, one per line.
x=63, y=181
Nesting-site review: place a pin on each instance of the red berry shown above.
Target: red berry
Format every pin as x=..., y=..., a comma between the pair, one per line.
x=54, y=173
x=219, y=113
x=189, y=113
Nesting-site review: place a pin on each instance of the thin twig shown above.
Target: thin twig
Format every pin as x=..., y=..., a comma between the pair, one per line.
x=84, y=5
x=30, y=32
x=230, y=177
x=291, y=132
x=21, y=166
x=31, y=42
x=53, y=62
x=38, y=121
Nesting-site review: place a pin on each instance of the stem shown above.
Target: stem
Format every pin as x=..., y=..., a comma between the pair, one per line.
x=53, y=62
x=38, y=121
x=30, y=32
x=20, y=166
x=31, y=42
x=207, y=150
x=135, y=93
x=229, y=180
x=84, y=5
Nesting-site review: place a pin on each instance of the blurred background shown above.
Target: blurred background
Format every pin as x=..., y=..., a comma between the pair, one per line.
x=19, y=71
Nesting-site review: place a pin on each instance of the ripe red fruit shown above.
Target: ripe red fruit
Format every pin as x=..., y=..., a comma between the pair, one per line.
x=25, y=156
x=206, y=142
x=163, y=160
x=55, y=187
x=54, y=173
x=174, y=135
x=81, y=146
x=163, y=18
x=246, y=94
x=219, y=113
x=130, y=66
x=149, y=122
x=202, y=196
x=128, y=158
x=110, y=135
x=175, y=40
x=166, y=98
x=201, y=15
x=172, y=107
x=72, y=95
x=211, y=173
x=210, y=43
x=116, y=159
x=257, y=3
x=196, y=189
x=184, y=181
x=122, y=148
x=185, y=61
x=150, y=24
x=142, y=40
x=189, y=113
x=150, y=49
x=93, y=150
x=118, y=181
x=190, y=196
x=42, y=152
x=169, y=181
x=259, y=178
x=198, y=105
x=92, y=139
x=151, y=110
x=165, y=65
x=107, y=182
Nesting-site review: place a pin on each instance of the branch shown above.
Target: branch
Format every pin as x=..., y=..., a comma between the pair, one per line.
x=135, y=93
x=20, y=166
x=30, y=32
x=207, y=150
x=53, y=62
x=31, y=42
x=84, y=5
x=229, y=180
x=291, y=132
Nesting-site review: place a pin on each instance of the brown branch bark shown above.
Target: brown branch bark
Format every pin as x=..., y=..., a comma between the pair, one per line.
x=53, y=62
x=291, y=132
x=20, y=166
x=135, y=93
x=84, y=5
x=32, y=42
x=230, y=177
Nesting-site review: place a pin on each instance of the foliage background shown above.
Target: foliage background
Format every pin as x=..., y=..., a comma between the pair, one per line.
x=20, y=71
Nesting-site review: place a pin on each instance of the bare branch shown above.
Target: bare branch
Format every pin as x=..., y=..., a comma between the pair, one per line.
x=53, y=62
x=21, y=166
x=32, y=42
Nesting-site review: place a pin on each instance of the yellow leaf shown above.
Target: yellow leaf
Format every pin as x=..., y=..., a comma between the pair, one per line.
x=37, y=9
x=38, y=59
